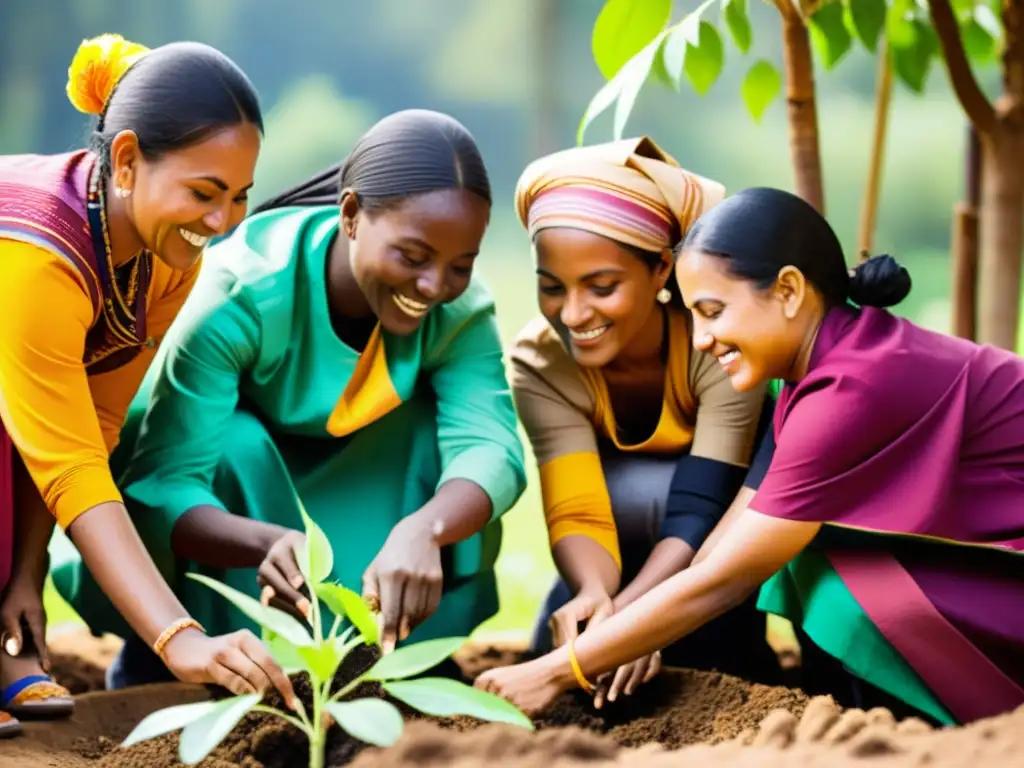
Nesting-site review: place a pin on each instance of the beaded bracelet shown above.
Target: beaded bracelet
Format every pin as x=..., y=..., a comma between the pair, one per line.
x=585, y=684
x=168, y=634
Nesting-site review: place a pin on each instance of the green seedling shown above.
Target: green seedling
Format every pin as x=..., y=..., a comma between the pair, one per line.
x=298, y=648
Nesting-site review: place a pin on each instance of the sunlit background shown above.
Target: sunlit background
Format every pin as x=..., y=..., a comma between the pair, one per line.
x=519, y=74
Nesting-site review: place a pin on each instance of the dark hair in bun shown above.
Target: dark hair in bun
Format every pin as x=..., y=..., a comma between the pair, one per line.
x=761, y=230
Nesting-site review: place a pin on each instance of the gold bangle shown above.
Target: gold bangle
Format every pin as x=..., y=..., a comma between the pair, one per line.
x=168, y=634
x=585, y=684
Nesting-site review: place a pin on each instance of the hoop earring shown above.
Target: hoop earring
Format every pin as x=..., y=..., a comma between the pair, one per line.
x=664, y=296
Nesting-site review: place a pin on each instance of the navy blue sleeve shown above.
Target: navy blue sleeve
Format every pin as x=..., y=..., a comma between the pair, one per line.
x=701, y=490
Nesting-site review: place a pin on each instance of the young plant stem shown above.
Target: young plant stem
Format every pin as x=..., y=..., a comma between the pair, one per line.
x=347, y=688
x=317, y=743
x=293, y=721
x=335, y=626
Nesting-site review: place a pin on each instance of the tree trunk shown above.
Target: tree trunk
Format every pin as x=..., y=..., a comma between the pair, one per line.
x=872, y=187
x=1001, y=235
x=965, y=245
x=803, y=114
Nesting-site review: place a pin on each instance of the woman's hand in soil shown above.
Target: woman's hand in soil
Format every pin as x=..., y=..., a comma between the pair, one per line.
x=280, y=577
x=238, y=662
x=590, y=606
x=405, y=580
x=627, y=679
x=532, y=686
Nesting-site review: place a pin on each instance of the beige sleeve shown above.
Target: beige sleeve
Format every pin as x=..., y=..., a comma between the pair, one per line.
x=726, y=419
x=552, y=403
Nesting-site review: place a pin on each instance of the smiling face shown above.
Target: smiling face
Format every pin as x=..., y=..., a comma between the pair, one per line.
x=756, y=334
x=596, y=294
x=182, y=199
x=412, y=257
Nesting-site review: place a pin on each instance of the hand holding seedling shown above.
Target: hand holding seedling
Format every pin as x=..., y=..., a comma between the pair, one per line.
x=238, y=662
x=280, y=577
x=405, y=580
x=312, y=648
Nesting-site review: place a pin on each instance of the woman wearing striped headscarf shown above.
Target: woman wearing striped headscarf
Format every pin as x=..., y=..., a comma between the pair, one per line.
x=642, y=442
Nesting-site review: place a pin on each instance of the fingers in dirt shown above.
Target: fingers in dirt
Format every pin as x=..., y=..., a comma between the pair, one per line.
x=392, y=590
x=270, y=669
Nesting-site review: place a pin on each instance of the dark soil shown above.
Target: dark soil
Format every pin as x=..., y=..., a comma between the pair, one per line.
x=676, y=709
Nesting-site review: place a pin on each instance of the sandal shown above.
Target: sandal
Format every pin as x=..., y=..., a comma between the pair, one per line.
x=37, y=696
x=9, y=726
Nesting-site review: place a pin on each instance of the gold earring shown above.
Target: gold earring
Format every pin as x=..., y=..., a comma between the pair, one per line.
x=664, y=296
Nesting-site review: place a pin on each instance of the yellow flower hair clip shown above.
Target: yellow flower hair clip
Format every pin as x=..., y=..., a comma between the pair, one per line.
x=98, y=65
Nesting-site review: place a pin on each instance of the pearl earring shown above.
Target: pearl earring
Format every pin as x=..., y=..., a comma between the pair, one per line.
x=121, y=192
x=664, y=296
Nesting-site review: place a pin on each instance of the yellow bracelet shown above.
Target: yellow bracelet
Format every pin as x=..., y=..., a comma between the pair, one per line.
x=585, y=684
x=168, y=634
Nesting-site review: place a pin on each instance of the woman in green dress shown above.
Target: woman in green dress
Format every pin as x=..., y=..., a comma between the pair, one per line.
x=350, y=363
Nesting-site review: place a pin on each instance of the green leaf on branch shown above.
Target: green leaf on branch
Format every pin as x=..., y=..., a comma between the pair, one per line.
x=704, y=61
x=734, y=12
x=912, y=62
x=167, y=720
x=267, y=617
x=979, y=45
x=760, y=87
x=442, y=697
x=829, y=34
x=344, y=602
x=413, y=659
x=202, y=735
x=867, y=19
x=624, y=28
x=622, y=89
x=316, y=559
x=374, y=721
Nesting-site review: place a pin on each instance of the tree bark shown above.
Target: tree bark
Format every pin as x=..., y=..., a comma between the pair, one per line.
x=965, y=245
x=1001, y=231
x=872, y=187
x=1000, y=130
x=803, y=112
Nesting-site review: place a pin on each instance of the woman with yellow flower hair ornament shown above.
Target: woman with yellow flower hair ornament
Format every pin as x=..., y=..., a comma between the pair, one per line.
x=99, y=248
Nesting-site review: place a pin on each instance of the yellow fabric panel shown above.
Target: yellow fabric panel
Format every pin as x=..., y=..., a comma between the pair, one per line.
x=369, y=394
x=63, y=422
x=576, y=501
x=674, y=431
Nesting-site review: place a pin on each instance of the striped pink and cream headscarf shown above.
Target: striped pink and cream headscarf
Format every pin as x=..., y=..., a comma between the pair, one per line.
x=630, y=191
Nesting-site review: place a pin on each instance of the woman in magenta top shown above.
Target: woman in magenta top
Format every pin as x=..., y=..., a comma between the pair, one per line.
x=891, y=520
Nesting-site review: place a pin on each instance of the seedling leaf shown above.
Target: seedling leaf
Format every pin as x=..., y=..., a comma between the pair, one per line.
x=443, y=697
x=284, y=653
x=734, y=12
x=413, y=659
x=316, y=559
x=704, y=61
x=344, y=602
x=202, y=735
x=269, y=618
x=374, y=721
x=167, y=720
x=321, y=660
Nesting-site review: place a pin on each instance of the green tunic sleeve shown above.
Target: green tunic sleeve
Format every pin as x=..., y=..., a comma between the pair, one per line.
x=477, y=434
x=193, y=395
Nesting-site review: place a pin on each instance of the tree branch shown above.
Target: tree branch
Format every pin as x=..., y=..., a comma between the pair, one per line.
x=979, y=110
